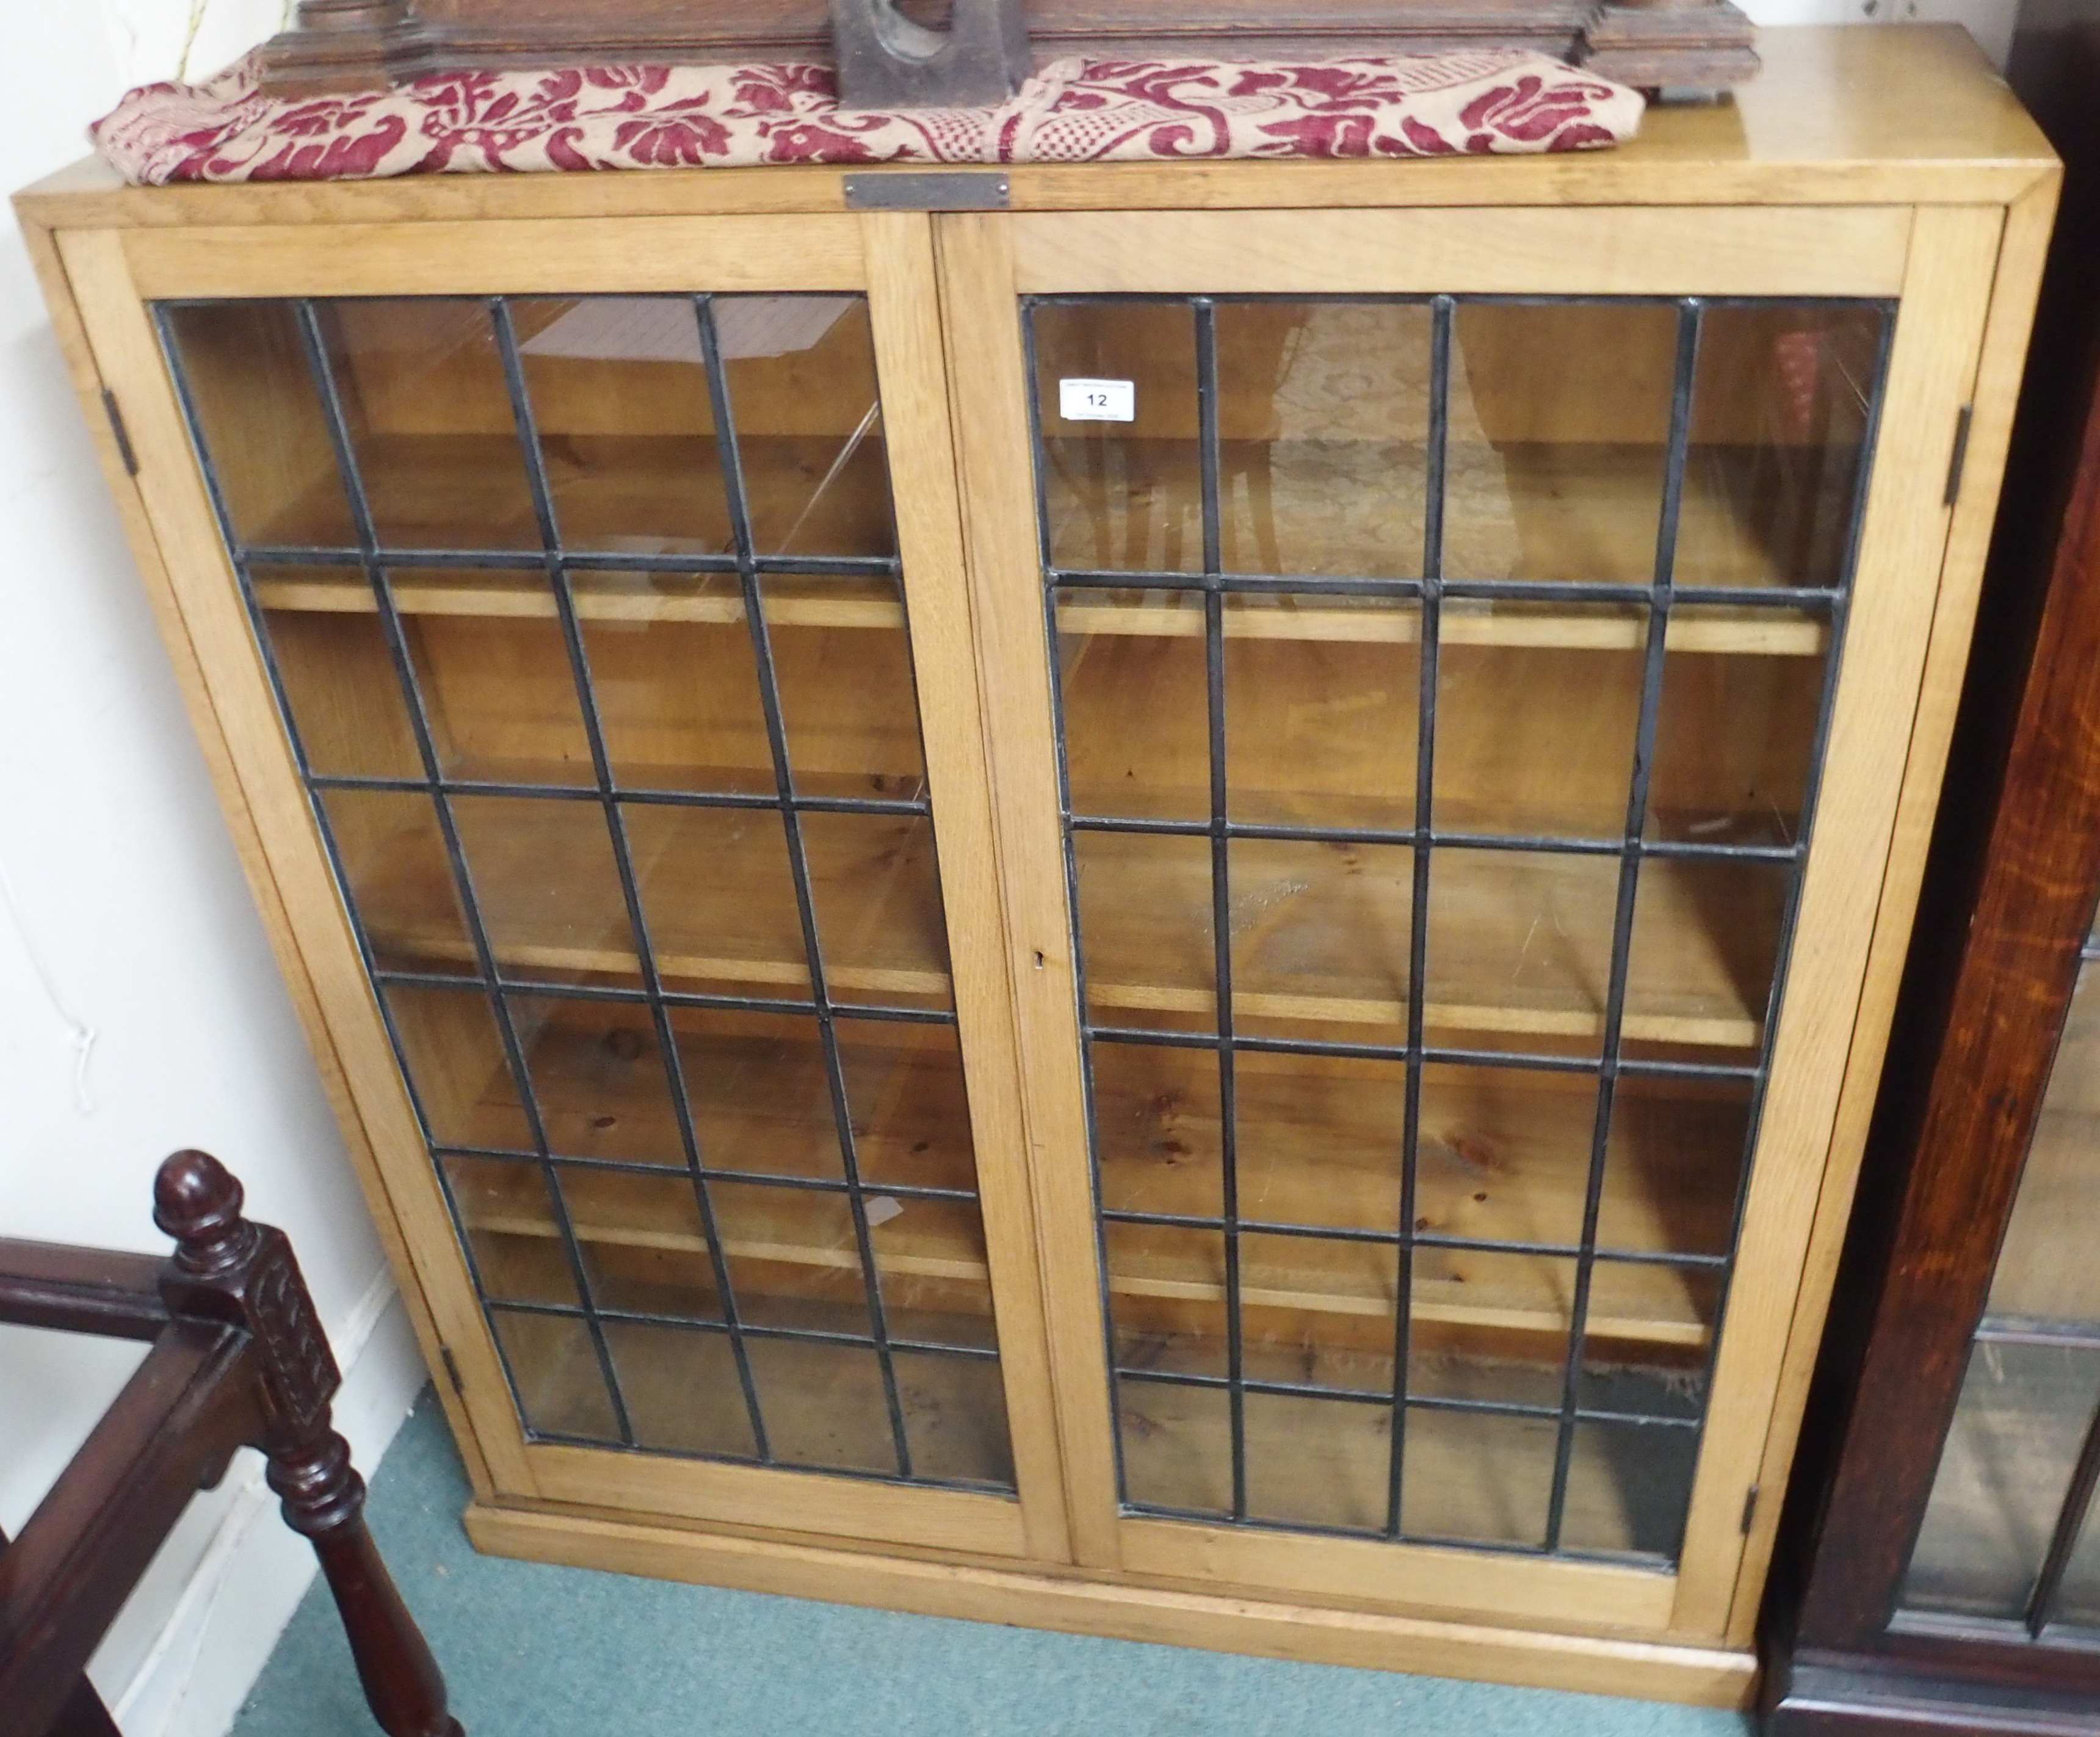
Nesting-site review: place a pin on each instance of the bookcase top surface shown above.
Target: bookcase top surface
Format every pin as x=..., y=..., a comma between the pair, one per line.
x=1841, y=114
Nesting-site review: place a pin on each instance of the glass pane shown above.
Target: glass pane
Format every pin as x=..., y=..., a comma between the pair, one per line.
x=512, y=1228
x=1121, y=495
x=643, y=1242
x=1321, y=931
x=1778, y=419
x=759, y=1092
x=1318, y=1311
x=935, y=1282
x=844, y=666
x=1504, y=1153
x=1318, y=1461
x=399, y=877
x=1663, y=1315
x=546, y=886
x=1706, y=944
x=1629, y=1486
x=911, y=1112
x=263, y=428
x=555, y=1367
x=457, y=1069
x=2078, y=1600
x=1735, y=730
x=597, y=1075
x=1674, y=1164
x=619, y=388
x=1167, y=1299
x=1321, y=1140
x=2003, y=1472
x=1134, y=684
x=1176, y=1446
x=1536, y=717
x=794, y=1260
x=1323, y=430
x=824, y=1404
x=681, y=1388
x=1559, y=429
x=2045, y=1266
x=494, y=672
x=1322, y=702
x=1476, y=1477
x=1519, y=947
x=1156, y=1131
x=719, y=898
x=954, y=1418
x=1145, y=929
x=338, y=673
x=877, y=893
x=1490, y=1326
x=422, y=388
x=675, y=681
x=801, y=372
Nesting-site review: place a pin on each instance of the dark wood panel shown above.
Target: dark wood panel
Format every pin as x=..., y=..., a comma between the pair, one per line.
x=346, y=44
x=2014, y=875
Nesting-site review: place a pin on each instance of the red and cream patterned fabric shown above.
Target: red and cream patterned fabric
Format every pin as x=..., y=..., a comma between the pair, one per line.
x=690, y=117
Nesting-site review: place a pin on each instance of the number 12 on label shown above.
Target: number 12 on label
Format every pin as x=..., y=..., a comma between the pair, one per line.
x=1097, y=400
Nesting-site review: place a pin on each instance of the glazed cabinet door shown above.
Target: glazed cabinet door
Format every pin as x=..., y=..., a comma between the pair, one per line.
x=1457, y=671
x=600, y=585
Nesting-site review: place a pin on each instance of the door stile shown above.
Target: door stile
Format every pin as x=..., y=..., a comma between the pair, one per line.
x=980, y=315
x=1825, y=1032
x=904, y=306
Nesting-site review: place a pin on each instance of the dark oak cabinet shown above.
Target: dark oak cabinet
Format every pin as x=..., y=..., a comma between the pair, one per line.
x=1939, y=1565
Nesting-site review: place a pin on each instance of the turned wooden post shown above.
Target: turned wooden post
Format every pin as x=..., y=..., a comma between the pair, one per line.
x=227, y=1269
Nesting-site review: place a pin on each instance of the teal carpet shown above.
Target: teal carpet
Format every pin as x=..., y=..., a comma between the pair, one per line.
x=531, y=1650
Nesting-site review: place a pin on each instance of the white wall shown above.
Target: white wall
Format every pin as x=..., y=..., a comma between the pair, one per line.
x=124, y=916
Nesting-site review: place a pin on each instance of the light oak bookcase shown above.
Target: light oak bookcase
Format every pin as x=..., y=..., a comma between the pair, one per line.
x=1225, y=1027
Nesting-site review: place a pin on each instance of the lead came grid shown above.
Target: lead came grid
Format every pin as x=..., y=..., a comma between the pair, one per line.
x=501, y=984
x=1632, y=848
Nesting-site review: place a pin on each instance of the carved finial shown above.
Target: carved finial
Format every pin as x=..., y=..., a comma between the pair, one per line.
x=196, y=1200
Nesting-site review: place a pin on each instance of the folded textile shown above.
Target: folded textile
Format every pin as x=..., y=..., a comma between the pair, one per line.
x=1074, y=111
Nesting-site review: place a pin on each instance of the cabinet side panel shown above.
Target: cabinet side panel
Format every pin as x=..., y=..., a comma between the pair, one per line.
x=989, y=404
x=240, y=722
x=1896, y=596
x=903, y=301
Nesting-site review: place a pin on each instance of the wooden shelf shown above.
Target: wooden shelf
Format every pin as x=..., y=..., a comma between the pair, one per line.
x=1502, y=1159
x=646, y=493
x=836, y=603
x=1467, y=1476
x=713, y=599
x=1321, y=935
x=1571, y=510
x=1505, y=1158
x=714, y=883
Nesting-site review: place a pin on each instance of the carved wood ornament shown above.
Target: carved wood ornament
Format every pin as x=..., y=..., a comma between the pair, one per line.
x=915, y=53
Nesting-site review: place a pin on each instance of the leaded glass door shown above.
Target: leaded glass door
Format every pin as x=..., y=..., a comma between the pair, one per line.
x=652, y=800
x=1441, y=660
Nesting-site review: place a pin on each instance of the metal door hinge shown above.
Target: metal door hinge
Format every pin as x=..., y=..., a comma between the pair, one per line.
x=1749, y=1507
x=452, y=1370
x=945, y=191
x=1960, y=454
x=124, y=448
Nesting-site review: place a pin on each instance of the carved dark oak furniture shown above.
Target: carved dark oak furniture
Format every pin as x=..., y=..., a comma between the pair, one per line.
x=1941, y=1567
x=354, y=44
x=239, y=1360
